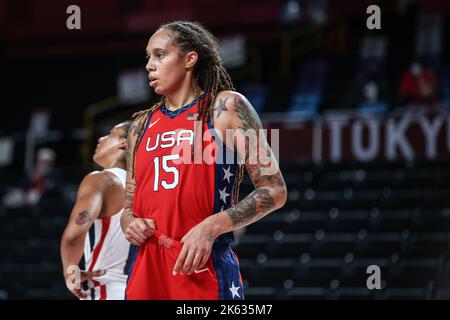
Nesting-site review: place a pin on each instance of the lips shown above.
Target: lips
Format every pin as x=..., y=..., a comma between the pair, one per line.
x=152, y=80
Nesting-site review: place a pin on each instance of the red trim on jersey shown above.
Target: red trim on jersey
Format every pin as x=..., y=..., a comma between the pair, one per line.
x=98, y=248
x=103, y=292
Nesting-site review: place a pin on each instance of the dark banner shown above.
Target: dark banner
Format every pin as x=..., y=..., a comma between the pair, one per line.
x=365, y=138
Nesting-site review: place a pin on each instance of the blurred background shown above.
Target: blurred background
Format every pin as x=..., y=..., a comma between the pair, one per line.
x=363, y=121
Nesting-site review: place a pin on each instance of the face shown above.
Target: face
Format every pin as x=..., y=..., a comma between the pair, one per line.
x=167, y=67
x=110, y=145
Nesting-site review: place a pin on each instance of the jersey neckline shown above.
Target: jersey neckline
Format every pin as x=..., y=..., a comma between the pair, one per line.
x=173, y=114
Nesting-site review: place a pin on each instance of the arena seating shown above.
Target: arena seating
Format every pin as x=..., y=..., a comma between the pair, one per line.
x=339, y=219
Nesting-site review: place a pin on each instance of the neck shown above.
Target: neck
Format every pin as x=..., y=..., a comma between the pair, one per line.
x=188, y=92
x=115, y=164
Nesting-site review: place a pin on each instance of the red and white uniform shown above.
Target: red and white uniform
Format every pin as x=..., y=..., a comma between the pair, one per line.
x=107, y=249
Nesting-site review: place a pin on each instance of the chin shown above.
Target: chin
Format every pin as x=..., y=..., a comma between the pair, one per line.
x=158, y=91
x=96, y=160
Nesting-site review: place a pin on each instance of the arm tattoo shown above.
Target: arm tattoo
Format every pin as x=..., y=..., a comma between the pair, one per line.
x=82, y=218
x=209, y=238
x=260, y=202
x=255, y=205
x=133, y=132
x=249, y=126
x=221, y=107
x=130, y=188
x=276, y=181
x=248, y=116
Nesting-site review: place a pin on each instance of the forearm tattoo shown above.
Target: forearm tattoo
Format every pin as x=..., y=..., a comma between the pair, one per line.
x=130, y=186
x=255, y=205
x=133, y=134
x=129, y=194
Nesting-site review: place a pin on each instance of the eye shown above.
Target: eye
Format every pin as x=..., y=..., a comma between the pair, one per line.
x=160, y=55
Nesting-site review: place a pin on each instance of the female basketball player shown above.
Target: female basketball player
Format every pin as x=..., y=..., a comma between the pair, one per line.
x=94, y=226
x=192, y=201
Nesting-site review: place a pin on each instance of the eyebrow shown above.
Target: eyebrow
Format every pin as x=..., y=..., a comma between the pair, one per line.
x=155, y=50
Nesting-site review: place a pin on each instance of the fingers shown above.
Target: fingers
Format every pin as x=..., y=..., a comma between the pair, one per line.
x=200, y=260
x=194, y=254
x=143, y=228
x=89, y=275
x=203, y=261
x=138, y=232
x=150, y=223
x=180, y=260
x=188, y=262
x=78, y=293
x=132, y=241
x=195, y=263
x=132, y=236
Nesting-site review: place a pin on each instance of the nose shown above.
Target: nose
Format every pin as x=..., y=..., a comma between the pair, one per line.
x=150, y=66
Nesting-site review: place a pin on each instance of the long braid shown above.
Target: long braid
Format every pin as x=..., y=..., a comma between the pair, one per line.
x=237, y=183
x=140, y=118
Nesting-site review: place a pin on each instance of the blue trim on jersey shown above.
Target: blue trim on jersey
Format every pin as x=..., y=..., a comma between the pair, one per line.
x=222, y=185
x=228, y=274
x=92, y=237
x=173, y=114
x=224, y=261
x=219, y=274
x=126, y=269
x=130, y=270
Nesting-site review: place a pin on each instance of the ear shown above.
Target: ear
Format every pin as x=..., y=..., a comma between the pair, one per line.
x=123, y=145
x=191, y=59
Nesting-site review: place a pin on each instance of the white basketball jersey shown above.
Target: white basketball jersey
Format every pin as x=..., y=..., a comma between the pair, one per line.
x=107, y=249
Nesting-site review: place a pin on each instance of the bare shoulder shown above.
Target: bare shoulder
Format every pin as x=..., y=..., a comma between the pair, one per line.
x=228, y=94
x=233, y=110
x=95, y=181
x=230, y=98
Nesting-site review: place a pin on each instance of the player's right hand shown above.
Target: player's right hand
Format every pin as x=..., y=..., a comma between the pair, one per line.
x=139, y=230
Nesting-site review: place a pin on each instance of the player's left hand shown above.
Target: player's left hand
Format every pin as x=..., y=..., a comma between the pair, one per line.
x=74, y=281
x=197, y=246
